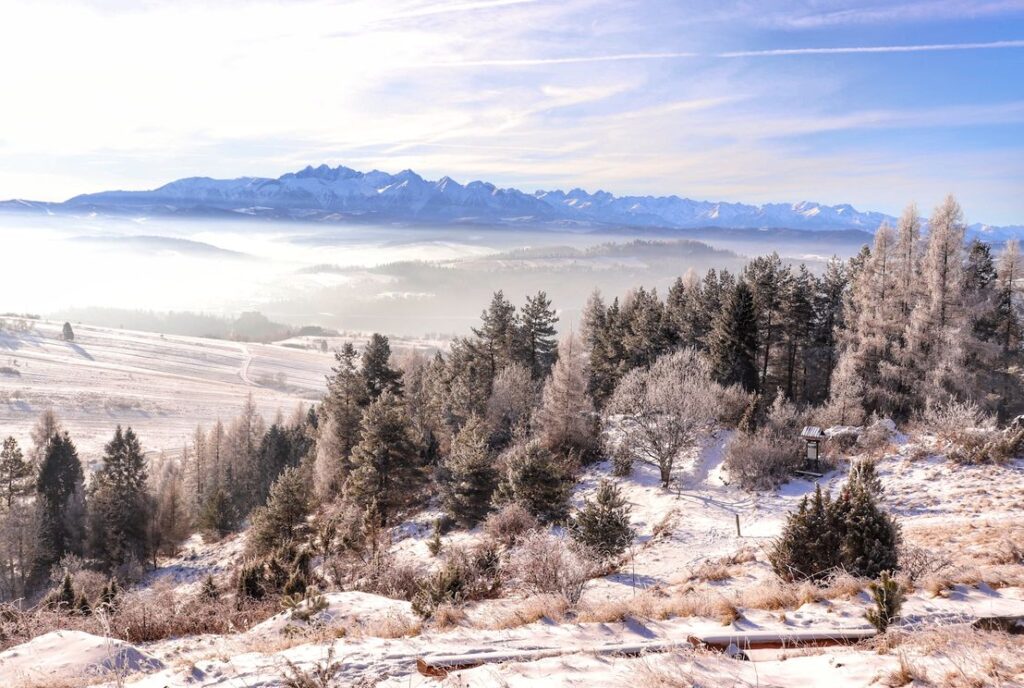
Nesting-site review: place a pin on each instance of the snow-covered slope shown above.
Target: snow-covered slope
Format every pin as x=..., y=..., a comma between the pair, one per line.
x=341, y=193
x=161, y=385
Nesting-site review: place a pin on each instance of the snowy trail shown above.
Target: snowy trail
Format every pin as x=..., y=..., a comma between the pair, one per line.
x=243, y=371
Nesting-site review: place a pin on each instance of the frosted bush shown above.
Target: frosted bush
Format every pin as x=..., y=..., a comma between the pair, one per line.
x=545, y=564
x=951, y=418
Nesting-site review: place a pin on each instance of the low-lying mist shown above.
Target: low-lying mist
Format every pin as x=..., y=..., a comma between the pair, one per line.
x=409, y=280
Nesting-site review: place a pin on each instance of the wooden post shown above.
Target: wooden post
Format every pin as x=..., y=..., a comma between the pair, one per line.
x=738, y=534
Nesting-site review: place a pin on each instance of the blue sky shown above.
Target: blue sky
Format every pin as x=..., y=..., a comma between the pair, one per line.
x=872, y=103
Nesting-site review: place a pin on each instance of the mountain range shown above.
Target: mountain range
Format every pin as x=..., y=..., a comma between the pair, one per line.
x=340, y=194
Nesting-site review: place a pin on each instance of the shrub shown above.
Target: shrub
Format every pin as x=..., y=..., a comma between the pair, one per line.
x=764, y=459
x=888, y=599
x=543, y=563
x=603, y=525
x=733, y=402
x=509, y=524
x=950, y=418
x=465, y=574
x=850, y=533
x=249, y=583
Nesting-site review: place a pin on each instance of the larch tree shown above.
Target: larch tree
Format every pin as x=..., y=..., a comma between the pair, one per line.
x=565, y=421
x=511, y=404
x=46, y=428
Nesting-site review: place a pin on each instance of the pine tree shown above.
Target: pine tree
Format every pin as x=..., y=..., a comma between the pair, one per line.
x=218, y=516
x=283, y=520
x=67, y=333
x=566, y=422
x=602, y=346
x=384, y=463
x=829, y=320
x=533, y=477
x=644, y=333
x=603, y=524
x=768, y=282
x=733, y=341
x=119, y=505
x=61, y=495
x=467, y=475
x=16, y=473
x=497, y=335
x=688, y=316
x=888, y=599
x=376, y=371
x=537, y=332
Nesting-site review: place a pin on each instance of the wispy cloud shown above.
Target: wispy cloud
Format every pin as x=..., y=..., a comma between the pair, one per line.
x=861, y=12
x=927, y=47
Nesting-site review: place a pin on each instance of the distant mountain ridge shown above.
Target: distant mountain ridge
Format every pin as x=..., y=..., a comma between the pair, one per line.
x=343, y=194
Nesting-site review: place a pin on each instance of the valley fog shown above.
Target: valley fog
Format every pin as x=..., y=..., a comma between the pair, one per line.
x=408, y=280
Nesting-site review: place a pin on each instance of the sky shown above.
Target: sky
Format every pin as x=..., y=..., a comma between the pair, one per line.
x=837, y=101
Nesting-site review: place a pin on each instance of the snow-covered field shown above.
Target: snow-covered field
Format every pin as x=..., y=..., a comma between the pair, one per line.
x=161, y=385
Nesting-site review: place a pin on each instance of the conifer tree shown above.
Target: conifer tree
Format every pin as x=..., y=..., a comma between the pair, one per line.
x=536, y=479
x=644, y=334
x=338, y=429
x=537, y=332
x=45, y=429
x=871, y=537
x=376, y=371
x=603, y=348
x=119, y=505
x=61, y=495
x=384, y=463
x=830, y=319
x=888, y=598
x=16, y=473
x=733, y=341
x=67, y=333
x=283, y=520
x=603, y=524
x=467, y=475
x=687, y=314
x=1007, y=327
x=497, y=335
x=768, y=282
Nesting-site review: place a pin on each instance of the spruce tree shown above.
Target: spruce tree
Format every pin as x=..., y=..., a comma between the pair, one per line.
x=16, y=473
x=376, y=371
x=282, y=521
x=60, y=490
x=338, y=427
x=603, y=524
x=644, y=332
x=733, y=340
x=535, y=478
x=385, y=463
x=871, y=537
x=467, y=475
x=537, y=333
x=67, y=333
x=119, y=505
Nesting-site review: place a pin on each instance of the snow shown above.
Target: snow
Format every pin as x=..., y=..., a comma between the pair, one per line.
x=64, y=656
x=161, y=385
x=351, y=607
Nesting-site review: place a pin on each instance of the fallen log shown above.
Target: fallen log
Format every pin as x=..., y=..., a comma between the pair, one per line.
x=440, y=666
x=1014, y=625
x=735, y=643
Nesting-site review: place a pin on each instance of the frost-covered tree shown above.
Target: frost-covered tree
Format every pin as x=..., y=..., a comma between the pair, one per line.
x=663, y=410
x=512, y=401
x=16, y=473
x=565, y=422
x=497, y=336
x=1008, y=328
x=46, y=428
x=171, y=521
x=467, y=475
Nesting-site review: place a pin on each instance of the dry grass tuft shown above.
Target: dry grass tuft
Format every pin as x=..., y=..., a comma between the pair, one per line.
x=448, y=616
x=905, y=674
x=532, y=609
